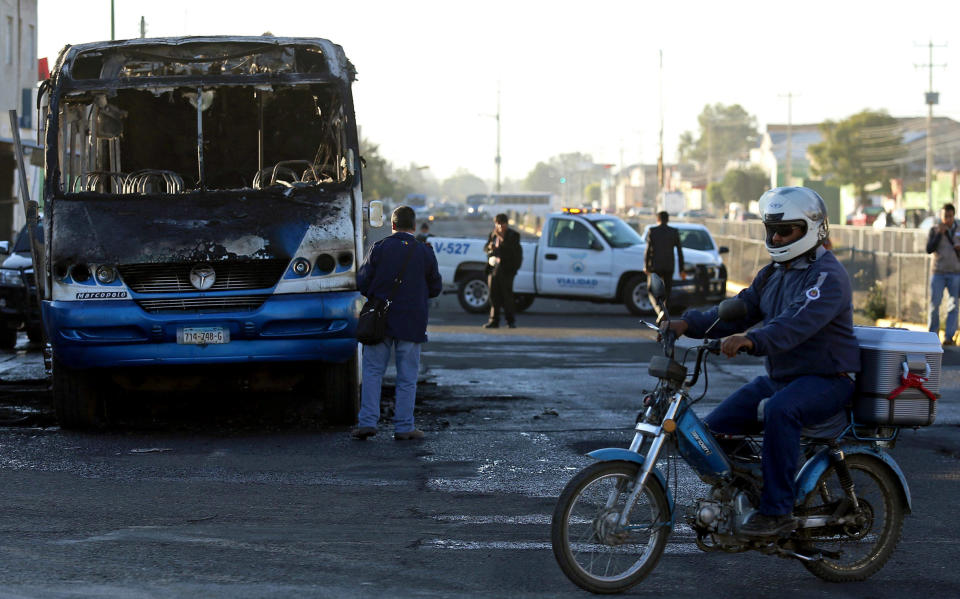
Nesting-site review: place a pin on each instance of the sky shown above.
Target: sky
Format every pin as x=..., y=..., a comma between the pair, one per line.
x=575, y=76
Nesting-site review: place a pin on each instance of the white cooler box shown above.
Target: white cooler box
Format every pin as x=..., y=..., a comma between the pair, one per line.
x=886, y=357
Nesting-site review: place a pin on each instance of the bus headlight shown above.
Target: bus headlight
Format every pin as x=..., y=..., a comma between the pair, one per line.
x=10, y=277
x=301, y=267
x=106, y=274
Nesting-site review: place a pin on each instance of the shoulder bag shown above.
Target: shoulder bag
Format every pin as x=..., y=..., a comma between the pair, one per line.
x=372, y=324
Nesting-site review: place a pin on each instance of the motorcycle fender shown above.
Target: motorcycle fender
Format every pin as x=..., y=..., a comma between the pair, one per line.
x=617, y=454
x=810, y=473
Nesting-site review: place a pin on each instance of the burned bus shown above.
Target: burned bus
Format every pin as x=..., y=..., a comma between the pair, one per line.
x=204, y=221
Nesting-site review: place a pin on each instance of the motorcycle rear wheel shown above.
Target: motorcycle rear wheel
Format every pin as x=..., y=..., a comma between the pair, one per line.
x=866, y=546
x=595, y=553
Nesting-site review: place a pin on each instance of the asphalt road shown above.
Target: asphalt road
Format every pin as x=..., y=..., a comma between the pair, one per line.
x=247, y=497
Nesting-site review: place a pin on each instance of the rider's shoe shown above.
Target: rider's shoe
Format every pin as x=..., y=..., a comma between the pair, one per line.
x=762, y=525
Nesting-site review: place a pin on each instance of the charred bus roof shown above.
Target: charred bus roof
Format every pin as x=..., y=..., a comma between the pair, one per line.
x=177, y=60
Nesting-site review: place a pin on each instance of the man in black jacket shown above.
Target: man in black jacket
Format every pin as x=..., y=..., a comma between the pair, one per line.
x=659, y=257
x=406, y=322
x=504, y=256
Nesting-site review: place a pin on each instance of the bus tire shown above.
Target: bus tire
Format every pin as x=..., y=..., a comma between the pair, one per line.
x=474, y=294
x=341, y=391
x=78, y=404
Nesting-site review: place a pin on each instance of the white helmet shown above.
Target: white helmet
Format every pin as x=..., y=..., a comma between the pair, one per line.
x=798, y=206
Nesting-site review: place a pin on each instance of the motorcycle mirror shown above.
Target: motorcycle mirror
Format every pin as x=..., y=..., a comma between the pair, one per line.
x=656, y=287
x=732, y=309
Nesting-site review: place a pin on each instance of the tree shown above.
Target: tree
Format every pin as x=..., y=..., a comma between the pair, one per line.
x=860, y=150
x=593, y=193
x=744, y=185
x=575, y=171
x=726, y=133
x=462, y=184
x=543, y=177
x=380, y=180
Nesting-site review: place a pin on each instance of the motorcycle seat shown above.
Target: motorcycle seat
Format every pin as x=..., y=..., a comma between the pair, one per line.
x=827, y=430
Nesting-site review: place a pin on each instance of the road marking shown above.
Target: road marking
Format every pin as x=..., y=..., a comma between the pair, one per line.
x=672, y=548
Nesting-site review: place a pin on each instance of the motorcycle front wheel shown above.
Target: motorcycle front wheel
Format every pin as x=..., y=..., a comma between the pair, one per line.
x=865, y=544
x=593, y=550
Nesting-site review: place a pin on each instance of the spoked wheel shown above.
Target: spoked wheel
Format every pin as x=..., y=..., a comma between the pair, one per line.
x=593, y=549
x=867, y=542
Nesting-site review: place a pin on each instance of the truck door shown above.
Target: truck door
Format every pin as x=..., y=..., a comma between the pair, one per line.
x=574, y=260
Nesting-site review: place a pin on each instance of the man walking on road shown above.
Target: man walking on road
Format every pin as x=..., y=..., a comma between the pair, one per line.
x=406, y=322
x=943, y=243
x=504, y=256
x=661, y=240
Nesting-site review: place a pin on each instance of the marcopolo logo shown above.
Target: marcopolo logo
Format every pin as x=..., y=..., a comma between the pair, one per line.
x=83, y=295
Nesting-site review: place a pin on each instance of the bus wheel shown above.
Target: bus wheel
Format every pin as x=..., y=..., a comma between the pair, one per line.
x=76, y=400
x=474, y=294
x=341, y=391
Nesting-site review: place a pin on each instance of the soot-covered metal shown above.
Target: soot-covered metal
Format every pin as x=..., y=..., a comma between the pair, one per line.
x=195, y=228
x=200, y=149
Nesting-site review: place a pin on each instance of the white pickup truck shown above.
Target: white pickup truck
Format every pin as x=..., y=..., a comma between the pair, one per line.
x=585, y=256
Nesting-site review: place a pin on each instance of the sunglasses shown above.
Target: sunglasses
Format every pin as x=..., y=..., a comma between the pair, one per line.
x=782, y=230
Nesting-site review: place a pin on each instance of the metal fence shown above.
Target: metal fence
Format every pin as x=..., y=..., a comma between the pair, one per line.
x=889, y=268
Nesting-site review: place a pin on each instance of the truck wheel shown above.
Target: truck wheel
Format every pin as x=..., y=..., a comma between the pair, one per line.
x=77, y=402
x=8, y=338
x=522, y=301
x=635, y=296
x=474, y=294
x=34, y=335
x=340, y=386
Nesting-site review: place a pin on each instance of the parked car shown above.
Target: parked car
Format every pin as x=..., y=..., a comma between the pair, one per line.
x=19, y=310
x=864, y=216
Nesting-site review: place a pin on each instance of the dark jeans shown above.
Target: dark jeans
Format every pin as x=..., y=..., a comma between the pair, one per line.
x=804, y=401
x=501, y=296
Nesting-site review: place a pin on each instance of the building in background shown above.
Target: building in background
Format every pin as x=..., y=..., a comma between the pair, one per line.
x=18, y=89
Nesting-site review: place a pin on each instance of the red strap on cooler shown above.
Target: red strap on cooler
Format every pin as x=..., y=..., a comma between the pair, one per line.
x=912, y=381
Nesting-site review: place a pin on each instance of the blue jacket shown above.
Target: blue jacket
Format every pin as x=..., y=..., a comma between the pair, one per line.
x=807, y=312
x=407, y=317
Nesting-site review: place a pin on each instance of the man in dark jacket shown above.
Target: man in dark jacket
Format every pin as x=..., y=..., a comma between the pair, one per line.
x=406, y=322
x=504, y=256
x=804, y=301
x=661, y=240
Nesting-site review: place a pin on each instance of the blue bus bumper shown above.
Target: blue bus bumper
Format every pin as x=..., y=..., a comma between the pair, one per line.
x=295, y=327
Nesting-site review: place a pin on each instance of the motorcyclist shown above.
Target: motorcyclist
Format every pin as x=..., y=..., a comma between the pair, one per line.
x=803, y=299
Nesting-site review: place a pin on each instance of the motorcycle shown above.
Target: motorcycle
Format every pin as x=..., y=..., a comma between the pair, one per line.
x=614, y=518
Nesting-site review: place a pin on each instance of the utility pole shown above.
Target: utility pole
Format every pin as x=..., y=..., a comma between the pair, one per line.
x=498, y=138
x=660, y=173
x=931, y=98
x=143, y=27
x=789, y=161
x=112, y=34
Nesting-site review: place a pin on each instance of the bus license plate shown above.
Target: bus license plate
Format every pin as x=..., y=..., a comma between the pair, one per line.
x=203, y=335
